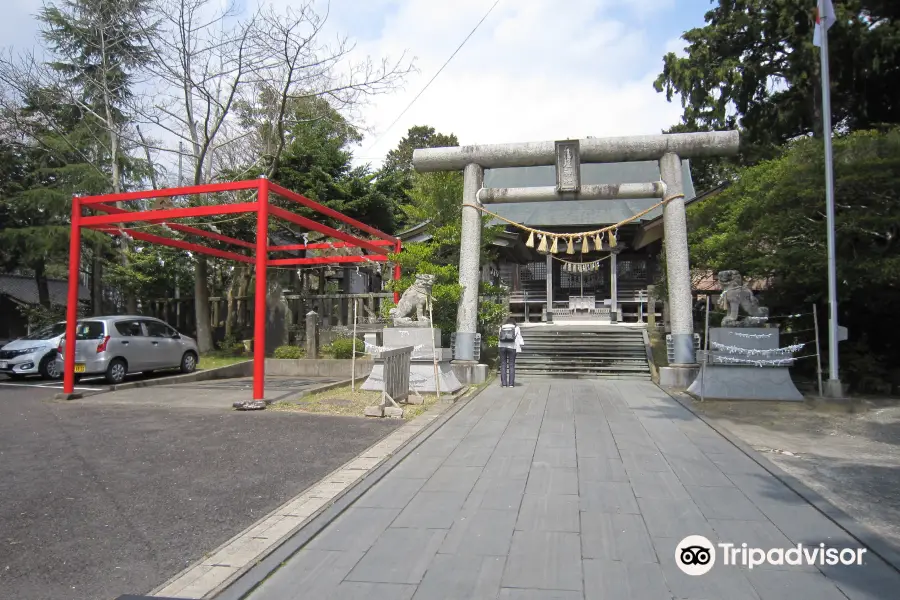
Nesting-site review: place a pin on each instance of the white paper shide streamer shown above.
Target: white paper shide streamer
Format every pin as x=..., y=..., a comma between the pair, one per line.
x=752, y=336
x=755, y=351
x=586, y=267
x=774, y=362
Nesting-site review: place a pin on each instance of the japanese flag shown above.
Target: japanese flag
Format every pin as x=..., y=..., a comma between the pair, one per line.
x=824, y=15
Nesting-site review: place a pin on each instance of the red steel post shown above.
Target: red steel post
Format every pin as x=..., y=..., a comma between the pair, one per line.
x=173, y=243
x=330, y=212
x=327, y=260
x=170, y=213
x=259, y=328
x=397, y=272
x=209, y=188
x=72, y=302
x=327, y=245
x=329, y=231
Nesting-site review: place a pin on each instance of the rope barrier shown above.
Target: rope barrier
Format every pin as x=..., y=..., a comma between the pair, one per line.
x=597, y=234
x=792, y=316
x=757, y=351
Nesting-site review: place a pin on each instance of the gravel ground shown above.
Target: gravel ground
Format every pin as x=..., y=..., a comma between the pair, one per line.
x=851, y=458
x=99, y=498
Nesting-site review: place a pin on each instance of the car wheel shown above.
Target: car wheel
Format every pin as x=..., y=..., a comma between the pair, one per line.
x=50, y=367
x=188, y=362
x=116, y=371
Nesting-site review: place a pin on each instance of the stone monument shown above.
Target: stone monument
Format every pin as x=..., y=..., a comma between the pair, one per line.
x=414, y=298
x=735, y=296
x=425, y=340
x=745, y=359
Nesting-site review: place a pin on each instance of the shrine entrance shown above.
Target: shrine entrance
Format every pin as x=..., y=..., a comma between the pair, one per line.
x=568, y=157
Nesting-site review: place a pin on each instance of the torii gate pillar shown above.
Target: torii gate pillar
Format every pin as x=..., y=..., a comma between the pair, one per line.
x=668, y=149
x=469, y=265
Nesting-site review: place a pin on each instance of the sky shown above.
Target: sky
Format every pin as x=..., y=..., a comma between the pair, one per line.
x=535, y=70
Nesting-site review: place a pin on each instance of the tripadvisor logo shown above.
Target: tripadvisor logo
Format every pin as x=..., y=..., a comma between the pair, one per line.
x=696, y=555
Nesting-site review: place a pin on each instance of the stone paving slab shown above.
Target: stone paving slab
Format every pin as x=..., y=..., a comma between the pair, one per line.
x=572, y=490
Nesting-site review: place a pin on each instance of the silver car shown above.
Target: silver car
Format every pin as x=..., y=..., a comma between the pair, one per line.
x=116, y=346
x=34, y=354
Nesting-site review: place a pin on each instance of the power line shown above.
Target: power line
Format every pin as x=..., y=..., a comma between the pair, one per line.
x=471, y=33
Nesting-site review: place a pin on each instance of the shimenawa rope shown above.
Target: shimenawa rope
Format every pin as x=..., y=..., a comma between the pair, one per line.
x=598, y=234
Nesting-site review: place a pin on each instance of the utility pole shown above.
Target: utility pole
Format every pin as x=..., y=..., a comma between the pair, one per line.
x=825, y=20
x=180, y=183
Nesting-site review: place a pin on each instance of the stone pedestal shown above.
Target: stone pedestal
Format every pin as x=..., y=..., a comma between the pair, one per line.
x=371, y=339
x=470, y=371
x=723, y=381
x=678, y=377
x=422, y=339
x=421, y=368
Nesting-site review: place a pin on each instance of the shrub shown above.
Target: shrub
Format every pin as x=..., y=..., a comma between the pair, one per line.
x=237, y=349
x=288, y=352
x=343, y=348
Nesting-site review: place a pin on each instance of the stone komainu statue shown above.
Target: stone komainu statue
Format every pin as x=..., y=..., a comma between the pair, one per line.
x=414, y=298
x=736, y=296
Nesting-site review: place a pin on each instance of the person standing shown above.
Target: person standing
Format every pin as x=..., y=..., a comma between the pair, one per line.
x=510, y=343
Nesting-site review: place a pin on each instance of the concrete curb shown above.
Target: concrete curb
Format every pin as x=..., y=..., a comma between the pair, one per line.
x=648, y=347
x=241, y=369
x=871, y=540
x=248, y=581
x=325, y=387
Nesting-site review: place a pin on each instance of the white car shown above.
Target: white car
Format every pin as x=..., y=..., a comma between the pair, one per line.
x=34, y=354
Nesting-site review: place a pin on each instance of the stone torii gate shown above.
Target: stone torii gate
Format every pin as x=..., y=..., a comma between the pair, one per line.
x=567, y=156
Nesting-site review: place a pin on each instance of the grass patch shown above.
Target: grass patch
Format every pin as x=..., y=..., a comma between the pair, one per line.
x=213, y=360
x=342, y=401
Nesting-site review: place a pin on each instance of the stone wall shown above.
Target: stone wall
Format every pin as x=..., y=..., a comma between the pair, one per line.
x=325, y=367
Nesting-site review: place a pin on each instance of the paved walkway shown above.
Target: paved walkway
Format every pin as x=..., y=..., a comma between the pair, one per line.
x=571, y=489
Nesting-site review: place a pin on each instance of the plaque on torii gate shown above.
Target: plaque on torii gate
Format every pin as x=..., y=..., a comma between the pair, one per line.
x=568, y=167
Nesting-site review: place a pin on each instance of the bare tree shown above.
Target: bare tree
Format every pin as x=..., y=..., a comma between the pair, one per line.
x=209, y=62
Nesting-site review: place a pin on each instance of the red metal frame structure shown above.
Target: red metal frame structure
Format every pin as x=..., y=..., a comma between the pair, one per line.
x=114, y=219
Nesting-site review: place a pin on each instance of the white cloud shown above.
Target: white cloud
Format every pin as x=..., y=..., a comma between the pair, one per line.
x=678, y=46
x=535, y=70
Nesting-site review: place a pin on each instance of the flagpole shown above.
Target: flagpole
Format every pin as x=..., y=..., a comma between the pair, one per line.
x=834, y=384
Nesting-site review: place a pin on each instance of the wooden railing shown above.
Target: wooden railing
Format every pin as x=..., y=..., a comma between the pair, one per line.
x=394, y=383
x=396, y=372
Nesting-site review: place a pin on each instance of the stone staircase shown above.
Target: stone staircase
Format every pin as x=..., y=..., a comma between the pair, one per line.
x=611, y=352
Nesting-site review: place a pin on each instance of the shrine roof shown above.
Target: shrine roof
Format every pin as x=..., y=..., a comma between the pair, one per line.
x=579, y=212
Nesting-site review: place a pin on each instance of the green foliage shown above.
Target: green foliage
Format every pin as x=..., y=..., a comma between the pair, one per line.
x=316, y=162
x=753, y=66
x=149, y=271
x=771, y=224
x=98, y=44
x=41, y=172
x=416, y=193
x=434, y=197
x=343, y=347
x=38, y=316
x=231, y=346
x=289, y=352
x=399, y=160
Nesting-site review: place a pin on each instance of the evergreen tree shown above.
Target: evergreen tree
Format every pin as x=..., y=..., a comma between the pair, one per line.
x=753, y=66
